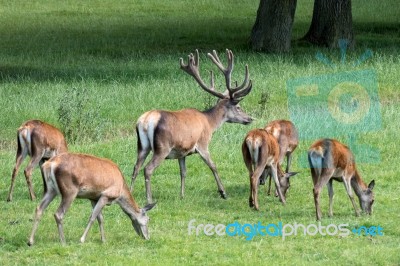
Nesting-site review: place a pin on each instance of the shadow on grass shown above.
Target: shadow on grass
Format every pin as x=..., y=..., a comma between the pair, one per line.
x=103, y=53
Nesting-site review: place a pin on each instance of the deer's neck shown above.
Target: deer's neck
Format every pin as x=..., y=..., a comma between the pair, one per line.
x=358, y=184
x=128, y=205
x=216, y=116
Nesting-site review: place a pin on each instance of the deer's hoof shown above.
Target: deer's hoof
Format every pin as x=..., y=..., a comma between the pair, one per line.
x=223, y=194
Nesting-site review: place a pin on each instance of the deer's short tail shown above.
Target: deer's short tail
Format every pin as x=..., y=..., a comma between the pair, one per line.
x=24, y=141
x=253, y=145
x=315, y=160
x=49, y=176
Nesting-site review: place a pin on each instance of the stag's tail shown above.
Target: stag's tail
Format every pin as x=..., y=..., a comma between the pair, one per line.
x=315, y=160
x=24, y=142
x=254, y=146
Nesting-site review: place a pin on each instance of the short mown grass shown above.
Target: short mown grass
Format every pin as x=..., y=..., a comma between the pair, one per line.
x=124, y=55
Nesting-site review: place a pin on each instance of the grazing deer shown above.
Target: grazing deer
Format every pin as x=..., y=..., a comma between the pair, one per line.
x=286, y=134
x=329, y=159
x=260, y=151
x=41, y=141
x=99, y=180
x=177, y=134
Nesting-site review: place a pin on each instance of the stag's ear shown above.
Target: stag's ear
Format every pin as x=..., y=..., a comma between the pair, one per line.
x=371, y=185
x=290, y=174
x=148, y=207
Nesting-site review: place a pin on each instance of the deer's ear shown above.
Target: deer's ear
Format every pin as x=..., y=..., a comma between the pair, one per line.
x=148, y=207
x=290, y=174
x=371, y=185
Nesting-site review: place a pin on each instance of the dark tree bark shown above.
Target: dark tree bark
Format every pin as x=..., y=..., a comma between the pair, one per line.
x=272, y=30
x=332, y=21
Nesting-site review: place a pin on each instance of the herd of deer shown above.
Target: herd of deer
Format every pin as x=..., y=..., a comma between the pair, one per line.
x=175, y=135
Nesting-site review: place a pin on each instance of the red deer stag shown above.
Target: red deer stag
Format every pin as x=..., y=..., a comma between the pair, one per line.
x=329, y=159
x=41, y=141
x=177, y=134
x=286, y=134
x=99, y=180
x=260, y=152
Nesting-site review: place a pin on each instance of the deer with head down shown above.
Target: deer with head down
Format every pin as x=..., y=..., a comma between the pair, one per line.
x=177, y=134
x=97, y=179
x=40, y=141
x=331, y=160
x=261, y=155
x=286, y=134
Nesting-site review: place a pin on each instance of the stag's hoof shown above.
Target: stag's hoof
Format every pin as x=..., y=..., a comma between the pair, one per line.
x=223, y=194
x=251, y=204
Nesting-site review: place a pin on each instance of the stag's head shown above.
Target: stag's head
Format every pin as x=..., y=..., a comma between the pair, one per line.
x=141, y=221
x=229, y=99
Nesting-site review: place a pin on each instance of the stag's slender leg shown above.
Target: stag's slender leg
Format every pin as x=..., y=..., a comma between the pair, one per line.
x=330, y=193
x=289, y=161
x=269, y=182
x=251, y=197
x=254, y=181
x=48, y=197
x=319, y=183
x=182, y=168
x=277, y=184
x=143, y=152
x=347, y=185
x=148, y=171
x=100, y=220
x=95, y=215
x=21, y=154
x=316, y=192
x=42, y=161
x=36, y=156
x=205, y=155
x=66, y=202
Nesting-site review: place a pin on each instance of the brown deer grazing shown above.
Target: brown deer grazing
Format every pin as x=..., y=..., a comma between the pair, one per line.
x=177, y=134
x=329, y=159
x=286, y=134
x=99, y=180
x=40, y=141
x=260, y=151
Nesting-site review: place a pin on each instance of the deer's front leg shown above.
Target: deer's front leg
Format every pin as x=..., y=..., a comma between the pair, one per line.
x=277, y=184
x=182, y=168
x=207, y=159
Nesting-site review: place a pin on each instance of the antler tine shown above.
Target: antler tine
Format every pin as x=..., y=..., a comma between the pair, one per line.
x=245, y=81
x=192, y=68
x=226, y=71
x=239, y=95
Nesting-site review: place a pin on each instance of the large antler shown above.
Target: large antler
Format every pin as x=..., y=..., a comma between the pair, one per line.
x=192, y=68
x=236, y=93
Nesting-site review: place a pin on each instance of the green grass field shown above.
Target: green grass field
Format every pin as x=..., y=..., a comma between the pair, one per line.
x=123, y=57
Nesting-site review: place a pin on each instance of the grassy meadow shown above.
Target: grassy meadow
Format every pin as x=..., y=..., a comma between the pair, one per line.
x=118, y=59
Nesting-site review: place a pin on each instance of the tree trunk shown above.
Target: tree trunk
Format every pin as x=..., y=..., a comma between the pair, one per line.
x=272, y=30
x=332, y=21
